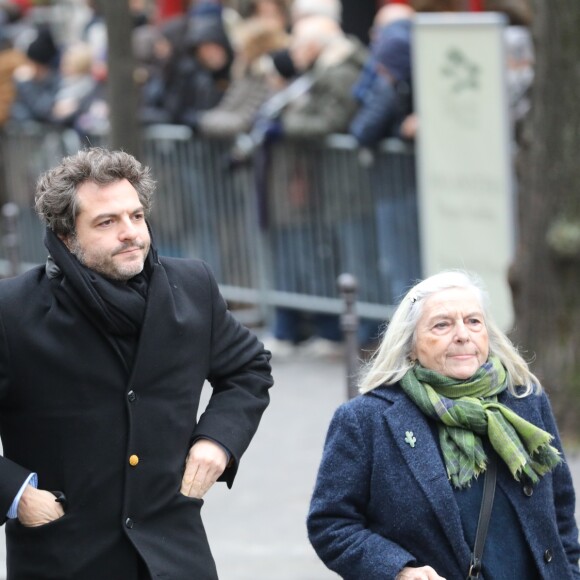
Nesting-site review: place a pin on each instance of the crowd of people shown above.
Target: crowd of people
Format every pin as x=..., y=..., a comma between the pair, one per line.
x=214, y=68
x=253, y=72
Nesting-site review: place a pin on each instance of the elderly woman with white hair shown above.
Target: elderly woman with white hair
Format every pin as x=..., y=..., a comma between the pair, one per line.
x=447, y=398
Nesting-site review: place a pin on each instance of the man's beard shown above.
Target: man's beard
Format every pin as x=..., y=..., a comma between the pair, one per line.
x=103, y=262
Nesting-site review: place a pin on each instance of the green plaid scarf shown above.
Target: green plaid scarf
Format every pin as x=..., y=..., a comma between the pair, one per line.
x=468, y=410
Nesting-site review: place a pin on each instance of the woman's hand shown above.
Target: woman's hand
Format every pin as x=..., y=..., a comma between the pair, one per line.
x=423, y=573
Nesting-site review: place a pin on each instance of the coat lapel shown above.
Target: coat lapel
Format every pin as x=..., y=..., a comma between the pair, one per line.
x=159, y=332
x=425, y=462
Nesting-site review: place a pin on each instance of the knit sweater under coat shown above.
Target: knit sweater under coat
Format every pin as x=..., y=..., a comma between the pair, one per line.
x=71, y=411
x=380, y=504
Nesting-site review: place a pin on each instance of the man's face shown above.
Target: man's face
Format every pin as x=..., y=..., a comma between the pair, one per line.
x=212, y=55
x=111, y=234
x=304, y=50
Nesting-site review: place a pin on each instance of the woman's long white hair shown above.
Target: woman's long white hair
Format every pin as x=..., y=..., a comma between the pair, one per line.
x=393, y=358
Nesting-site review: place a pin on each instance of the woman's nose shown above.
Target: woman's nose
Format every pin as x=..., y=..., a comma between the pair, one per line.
x=461, y=333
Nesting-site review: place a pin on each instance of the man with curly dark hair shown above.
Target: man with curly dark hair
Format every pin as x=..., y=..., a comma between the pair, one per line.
x=103, y=355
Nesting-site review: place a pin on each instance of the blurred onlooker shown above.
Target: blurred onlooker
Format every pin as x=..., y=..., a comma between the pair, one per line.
x=195, y=80
x=175, y=29
x=275, y=11
x=152, y=51
x=520, y=71
x=37, y=81
x=330, y=8
x=233, y=117
x=302, y=9
x=256, y=38
x=519, y=49
x=384, y=87
x=384, y=91
x=78, y=87
x=10, y=60
x=94, y=34
x=210, y=46
x=333, y=61
x=139, y=13
x=15, y=27
x=318, y=103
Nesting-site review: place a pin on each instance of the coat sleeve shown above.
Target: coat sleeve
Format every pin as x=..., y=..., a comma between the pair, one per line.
x=240, y=376
x=12, y=475
x=339, y=522
x=328, y=109
x=375, y=118
x=237, y=110
x=564, y=496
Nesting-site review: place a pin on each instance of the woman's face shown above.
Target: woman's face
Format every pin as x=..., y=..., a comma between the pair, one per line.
x=451, y=336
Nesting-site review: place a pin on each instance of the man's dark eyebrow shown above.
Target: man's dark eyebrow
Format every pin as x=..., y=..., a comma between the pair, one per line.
x=106, y=215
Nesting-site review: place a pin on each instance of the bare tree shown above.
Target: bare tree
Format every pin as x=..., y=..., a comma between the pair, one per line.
x=545, y=277
x=123, y=96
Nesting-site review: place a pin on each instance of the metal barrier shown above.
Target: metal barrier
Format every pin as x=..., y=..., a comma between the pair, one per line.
x=277, y=230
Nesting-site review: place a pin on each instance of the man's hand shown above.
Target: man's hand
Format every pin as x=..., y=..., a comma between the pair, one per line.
x=38, y=507
x=206, y=461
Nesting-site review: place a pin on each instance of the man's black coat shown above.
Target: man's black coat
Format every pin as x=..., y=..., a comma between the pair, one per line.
x=71, y=411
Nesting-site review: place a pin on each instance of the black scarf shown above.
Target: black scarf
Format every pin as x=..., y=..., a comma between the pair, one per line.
x=117, y=307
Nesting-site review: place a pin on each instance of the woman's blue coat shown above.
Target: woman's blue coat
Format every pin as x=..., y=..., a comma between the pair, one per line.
x=380, y=504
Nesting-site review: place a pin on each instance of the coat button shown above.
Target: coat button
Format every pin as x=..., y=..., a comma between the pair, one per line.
x=528, y=489
x=133, y=460
x=131, y=396
x=129, y=523
x=548, y=556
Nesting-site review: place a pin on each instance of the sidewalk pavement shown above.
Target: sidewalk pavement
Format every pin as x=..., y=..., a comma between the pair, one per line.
x=257, y=529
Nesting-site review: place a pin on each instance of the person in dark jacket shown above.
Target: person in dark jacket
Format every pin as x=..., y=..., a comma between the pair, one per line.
x=384, y=93
x=317, y=103
x=194, y=80
x=401, y=480
x=37, y=82
x=103, y=355
x=384, y=87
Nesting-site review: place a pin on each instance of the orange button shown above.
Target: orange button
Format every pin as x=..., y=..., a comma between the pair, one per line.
x=133, y=460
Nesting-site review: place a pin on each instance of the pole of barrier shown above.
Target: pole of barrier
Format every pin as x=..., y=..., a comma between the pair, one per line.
x=10, y=213
x=348, y=286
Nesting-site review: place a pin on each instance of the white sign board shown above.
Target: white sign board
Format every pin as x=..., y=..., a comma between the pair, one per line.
x=465, y=181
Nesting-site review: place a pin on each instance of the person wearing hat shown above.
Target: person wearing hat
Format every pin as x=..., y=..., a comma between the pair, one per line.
x=37, y=82
x=196, y=78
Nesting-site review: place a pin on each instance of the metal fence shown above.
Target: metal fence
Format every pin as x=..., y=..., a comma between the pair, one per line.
x=277, y=228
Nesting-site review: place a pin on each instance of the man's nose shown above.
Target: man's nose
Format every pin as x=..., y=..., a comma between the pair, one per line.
x=128, y=231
